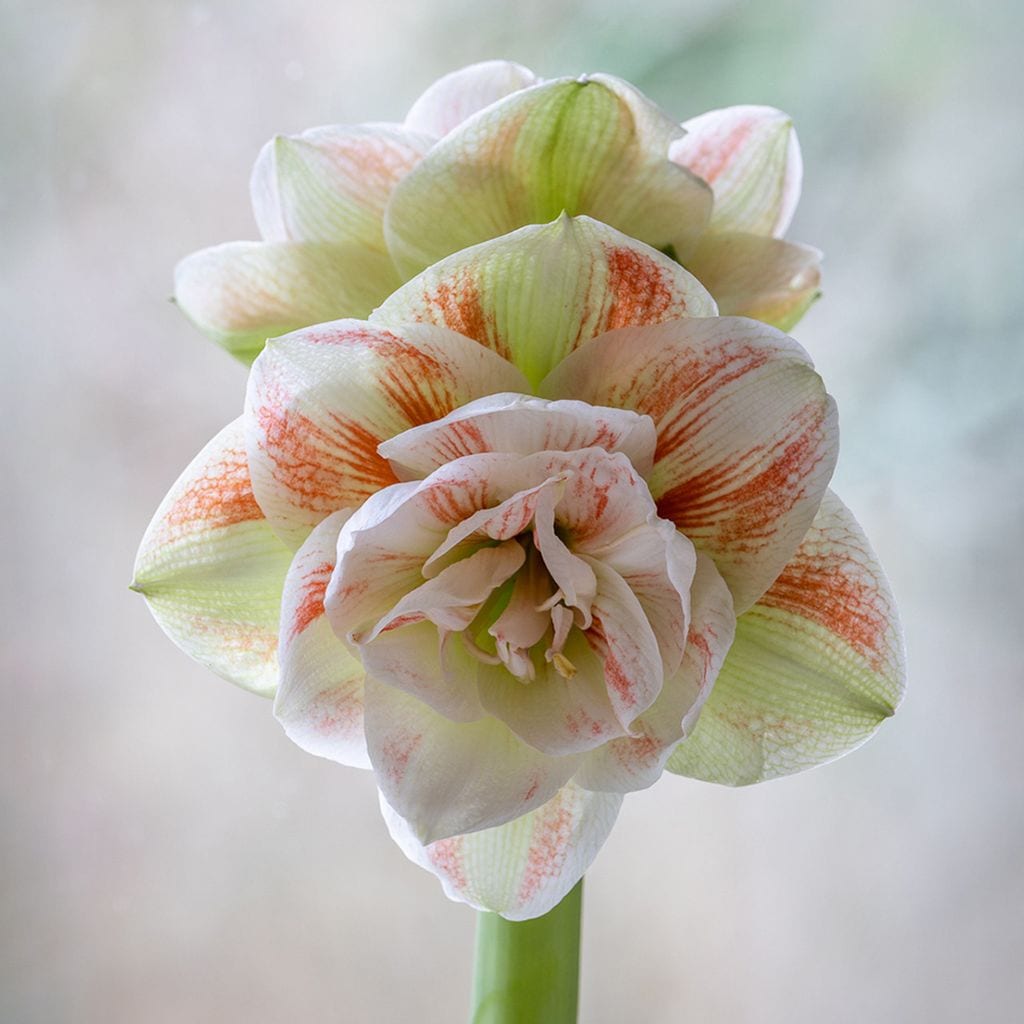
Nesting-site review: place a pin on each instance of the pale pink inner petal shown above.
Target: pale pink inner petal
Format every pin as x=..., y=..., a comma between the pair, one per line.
x=452, y=599
x=502, y=609
x=520, y=424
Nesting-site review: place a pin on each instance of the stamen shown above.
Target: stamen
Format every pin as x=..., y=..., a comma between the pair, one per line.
x=563, y=666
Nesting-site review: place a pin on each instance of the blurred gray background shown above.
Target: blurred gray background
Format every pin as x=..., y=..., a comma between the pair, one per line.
x=168, y=855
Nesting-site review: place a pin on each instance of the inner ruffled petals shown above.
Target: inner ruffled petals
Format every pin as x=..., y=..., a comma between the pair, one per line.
x=535, y=609
x=453, y=598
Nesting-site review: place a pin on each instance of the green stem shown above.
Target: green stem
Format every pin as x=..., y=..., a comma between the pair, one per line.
x=527, y=972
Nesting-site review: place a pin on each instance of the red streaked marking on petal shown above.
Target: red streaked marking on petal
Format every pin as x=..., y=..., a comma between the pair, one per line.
x=635, y=752
x=843, y=602
x=711, y=157
x=458, y=302
x=334, y=712
x=695, y=377
x=409, y=619
x=451, y=501
x=641, y=291
x=615, y=675
x=311, y=604
x=552, y=833
x=221, y=497
x=397, y=752
x=316, y=464
x=758, y=502
x=236, y=637
x=417, y=383
x=578, y=722
x=446, y=856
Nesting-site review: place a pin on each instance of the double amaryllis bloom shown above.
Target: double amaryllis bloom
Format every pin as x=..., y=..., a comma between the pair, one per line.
x=347, y=213
x=544, y=524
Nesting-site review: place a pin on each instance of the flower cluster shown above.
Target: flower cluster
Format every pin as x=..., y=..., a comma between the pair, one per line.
x=544, y=523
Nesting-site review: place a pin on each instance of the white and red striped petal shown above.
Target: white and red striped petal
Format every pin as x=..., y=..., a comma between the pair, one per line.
x=212, y=570
x=332, y=184
x=626, y=645
x=522, y=425
x=535, y=295
x=460, y=94
x=658, y=563
x=816, y=667
x=750, y=157
x=521, y=869
x=747, y=436
x=320, y=697
x=637, y=761
x=447, y=778
x=321, y=400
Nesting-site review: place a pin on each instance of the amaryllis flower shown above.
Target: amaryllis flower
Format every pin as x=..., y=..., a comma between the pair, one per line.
x=347, y=213
x=538, y=529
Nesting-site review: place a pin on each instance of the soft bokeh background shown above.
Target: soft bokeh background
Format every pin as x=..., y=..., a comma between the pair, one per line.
x=168, y=855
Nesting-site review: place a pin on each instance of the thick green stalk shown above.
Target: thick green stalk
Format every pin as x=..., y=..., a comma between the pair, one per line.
x=527, y=972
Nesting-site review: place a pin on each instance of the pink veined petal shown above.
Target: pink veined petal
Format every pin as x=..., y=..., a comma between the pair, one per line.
x=520, y=424
x=386, y=547
x=521, y=869
x=405, y=649
x=460, y=94
x=331, y=184
x=452, y=599
x=626, y=645
x=637, y=761
x=320, y=697
x=212, y=570
x=747, y=436
x=750, y=157
x=817, y=664
x=446, y=778
x=320, y=401
x=768, y=279
x=658, y=563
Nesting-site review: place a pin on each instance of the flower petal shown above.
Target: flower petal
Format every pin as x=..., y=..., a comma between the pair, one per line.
x=539, y=293
x=816, y=667
x=405, y=649
x=624, y=641
x=212, y=570
x=636, y=761
x=242, y=293
x=767, y=279
x=320, y=697
x=385, y=548
x=460, y=94
x=658, y=563
x=747, y=436
x=446, y=778
x=520, y=424
x=557, y=715
x=332, y=184
x=524, y=868
x=751, y=159
x=590, y=146
x=320, y=401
